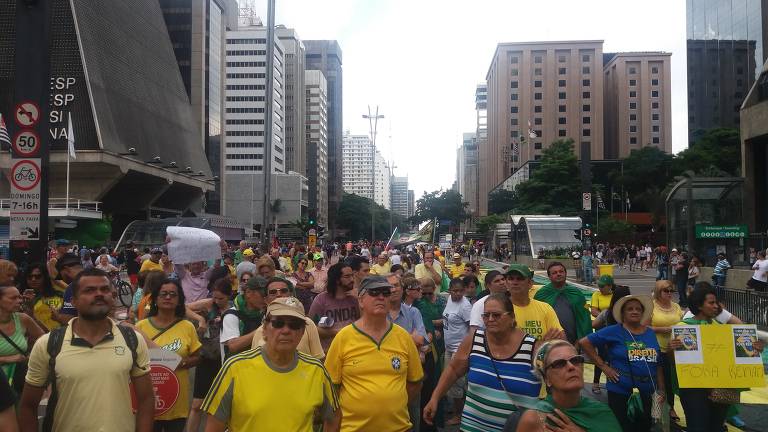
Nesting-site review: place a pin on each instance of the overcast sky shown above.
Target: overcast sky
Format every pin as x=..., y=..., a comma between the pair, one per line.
x=420, y=61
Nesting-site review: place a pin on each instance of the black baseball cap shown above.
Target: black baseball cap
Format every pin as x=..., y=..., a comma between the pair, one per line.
x=67, y=260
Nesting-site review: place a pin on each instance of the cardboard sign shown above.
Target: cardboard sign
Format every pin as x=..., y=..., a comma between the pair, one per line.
x=718, y=356
x=190, y=245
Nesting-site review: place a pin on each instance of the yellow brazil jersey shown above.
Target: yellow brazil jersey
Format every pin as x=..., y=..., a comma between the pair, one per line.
x=42, y=310
x=457, y=270
x=601, y=301
x=371, y=376
x=537, y=318
x=250, y=394
x=381, y=269
x=181, y=339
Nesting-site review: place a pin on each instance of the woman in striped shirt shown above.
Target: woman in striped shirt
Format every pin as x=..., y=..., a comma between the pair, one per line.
x=498, y=362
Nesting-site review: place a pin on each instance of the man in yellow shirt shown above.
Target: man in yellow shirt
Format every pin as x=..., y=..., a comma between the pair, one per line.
x=457, y=270
x=429, y=269
x=153, y=263
x=273, y=387
x=534, y=317
x=375, y=364
x=382, y=265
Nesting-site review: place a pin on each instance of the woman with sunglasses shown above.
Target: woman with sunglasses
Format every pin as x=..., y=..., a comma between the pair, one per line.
x=498, y=362
x=562, y=370
x=167, y=329
x=666, y=313
x=41, y=301
x=633, y=361
x=244, y=278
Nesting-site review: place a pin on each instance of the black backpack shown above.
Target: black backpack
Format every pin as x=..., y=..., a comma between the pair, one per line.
x=247, y=325
x=55, y=342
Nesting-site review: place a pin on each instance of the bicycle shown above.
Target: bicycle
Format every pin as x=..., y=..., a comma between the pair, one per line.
x=123, y=289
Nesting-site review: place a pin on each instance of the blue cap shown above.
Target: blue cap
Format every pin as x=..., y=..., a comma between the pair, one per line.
x=63, y=242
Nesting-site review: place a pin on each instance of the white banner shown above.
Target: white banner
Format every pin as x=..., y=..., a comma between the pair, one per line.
x=188, y=245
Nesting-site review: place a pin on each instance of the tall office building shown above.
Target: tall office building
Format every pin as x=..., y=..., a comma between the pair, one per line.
x=295, y=102
x=325, y=56
x=726, y=51
x=468, y=171
x=357, y=156
x=317, y=143
x=637, y=101
x=411, y=203
x=245, y=120
x=197, y=29
x=117, y=105
x=472, y=173
x=399, y=186
x=550, y=90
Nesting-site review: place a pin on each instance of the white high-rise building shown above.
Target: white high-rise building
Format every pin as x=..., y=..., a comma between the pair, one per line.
x=357, y=156
x=317, y=142
x=244, y=128
x=400, y=196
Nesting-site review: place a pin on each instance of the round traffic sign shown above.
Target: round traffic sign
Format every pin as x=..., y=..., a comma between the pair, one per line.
x=25, y=174
x=27, y=114
x=26, y=143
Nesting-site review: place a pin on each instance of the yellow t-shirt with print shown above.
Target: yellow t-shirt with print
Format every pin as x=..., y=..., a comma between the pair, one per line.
x=294, y=395
x=181, y=339
x=457, y=270
x=372, y=378
x=601, y=301
x=537, y=318
x=148, y=265
x=42, y=310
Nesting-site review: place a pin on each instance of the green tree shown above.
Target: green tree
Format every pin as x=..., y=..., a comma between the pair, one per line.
x=715, y=151
x=441, y=205
x=354, y=214
x=486, y=223
x=554, y=187
x=501, y=201
x=615, y=230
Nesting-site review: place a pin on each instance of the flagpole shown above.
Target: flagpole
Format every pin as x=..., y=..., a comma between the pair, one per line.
x=66, y=200
x=390, y=238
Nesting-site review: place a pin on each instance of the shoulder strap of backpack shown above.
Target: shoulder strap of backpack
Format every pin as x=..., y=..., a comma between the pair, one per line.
x=132, y=340
x=55, y=342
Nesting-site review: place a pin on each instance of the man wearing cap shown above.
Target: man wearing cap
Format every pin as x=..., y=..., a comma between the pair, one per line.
x=567, y=301
x=61, y=248
x=382, y=265
x=246, y=265
x=534, y=317
x=68, y=267
x=375, y=365
x=153, y=263
x=293, y=386
x=278, y=288
x=457, y=269
x=240, y=322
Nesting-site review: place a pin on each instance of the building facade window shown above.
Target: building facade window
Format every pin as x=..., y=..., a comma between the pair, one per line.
x=513, y=96
x=585, y=108
x=633, y=140
x=537, y=146
x=632, y=83
x=585, y=70
x=561, y=83
x=633, y=129
x=632, y=117
x=561, y=95
x=633, y=105
x=537, y=59
x=537, y=108
x=655, y=93
x=513, y=60
x=537, y=121
x=632, y=71
x=654, y=116
x=513, y=72
x=655, y=70
x=585, y=95
x=513, y=84
x=655, y=140
x=561, y=120
x=633, y=94
x=561, y=71
x=655, y=105
x=655, y=128
x=586, y=132
x=537, y=72
x=586, y=120
x=561, y=59
x=537, y=96
x=654, y=82
x=513, y=110
x=561, y=108
x=561, y=133
x=537, y=83
x=585, y=83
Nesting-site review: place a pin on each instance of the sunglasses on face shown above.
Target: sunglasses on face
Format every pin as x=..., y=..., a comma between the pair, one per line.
x=376, y=292
x=576, y=360
x=279, y=323
x=169, y=294
x=668, y=291
x=414, y=289
x=494, y=315
x=280, y=290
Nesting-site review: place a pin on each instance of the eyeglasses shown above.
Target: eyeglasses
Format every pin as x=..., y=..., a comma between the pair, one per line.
x=418, y=288
x=169, y=294
x=376, y=292
x=280, y=290
x=576, y=360
x=34, y=276
x=292, y=324
x=668, y=291
x=494, y=315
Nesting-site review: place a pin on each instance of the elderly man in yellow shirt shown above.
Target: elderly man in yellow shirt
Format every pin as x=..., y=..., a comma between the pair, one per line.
x=457, y=269
x=382, y=266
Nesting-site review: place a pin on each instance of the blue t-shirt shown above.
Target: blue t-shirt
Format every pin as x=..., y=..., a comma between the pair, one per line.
x=625, y=352
x=67, y=308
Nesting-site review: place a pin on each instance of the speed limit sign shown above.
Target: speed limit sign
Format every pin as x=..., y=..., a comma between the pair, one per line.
x=26, y=143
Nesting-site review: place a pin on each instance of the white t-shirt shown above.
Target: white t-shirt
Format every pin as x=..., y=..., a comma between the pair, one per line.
x=761, y=270
x=476, y=317
x=395, y=259
x=230, y=327
x=365, y=252
x=722, y=318
x=456, y=317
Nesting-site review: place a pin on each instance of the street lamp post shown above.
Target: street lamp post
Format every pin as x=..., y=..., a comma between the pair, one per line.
x=269, y=119
x=373, y=123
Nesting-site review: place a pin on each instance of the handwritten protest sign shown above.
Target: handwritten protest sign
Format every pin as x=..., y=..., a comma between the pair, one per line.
x=190, y=245
x=718, y=356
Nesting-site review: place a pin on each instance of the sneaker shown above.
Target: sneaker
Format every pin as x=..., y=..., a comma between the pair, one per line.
x=736, y=421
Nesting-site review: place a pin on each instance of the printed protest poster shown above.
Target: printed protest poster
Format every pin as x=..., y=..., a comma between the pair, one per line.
x=691, y=352
x=718, y=356
x=744, y=338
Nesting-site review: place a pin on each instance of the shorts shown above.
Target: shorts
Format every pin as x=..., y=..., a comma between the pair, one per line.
x=205, y=373
x=757, y=285
x=459, y=388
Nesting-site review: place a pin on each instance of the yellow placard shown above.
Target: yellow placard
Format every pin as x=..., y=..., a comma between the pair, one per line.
x=718, y=356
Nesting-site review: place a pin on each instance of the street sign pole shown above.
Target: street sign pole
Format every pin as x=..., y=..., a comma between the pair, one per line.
x=29, y=151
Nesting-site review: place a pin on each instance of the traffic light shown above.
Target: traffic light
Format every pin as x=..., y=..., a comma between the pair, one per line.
x=312, y=218
x=320, y=231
